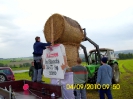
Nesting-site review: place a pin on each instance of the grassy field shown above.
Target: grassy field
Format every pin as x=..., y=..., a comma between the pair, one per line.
x=15, y=63
x=126, y=82
x=23, y=68
x=20, y=62
x=25, y=76
x=5, y=61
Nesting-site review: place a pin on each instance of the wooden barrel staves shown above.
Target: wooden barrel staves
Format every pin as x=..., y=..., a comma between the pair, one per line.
x=65, y=31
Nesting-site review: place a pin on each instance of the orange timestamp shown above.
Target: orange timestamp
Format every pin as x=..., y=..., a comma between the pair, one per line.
x=92, y=86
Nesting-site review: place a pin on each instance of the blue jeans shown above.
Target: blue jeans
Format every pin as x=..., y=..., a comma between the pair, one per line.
x=80, y=93
x=102, y=93
x=37, y=75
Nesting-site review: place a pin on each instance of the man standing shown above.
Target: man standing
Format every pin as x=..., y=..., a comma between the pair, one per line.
x=80, y=78
x=104, y=78
x=37, y=55
x=31, y=70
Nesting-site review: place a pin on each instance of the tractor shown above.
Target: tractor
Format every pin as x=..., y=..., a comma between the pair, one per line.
x=93, y=61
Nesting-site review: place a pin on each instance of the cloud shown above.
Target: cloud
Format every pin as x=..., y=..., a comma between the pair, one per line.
x=120, y=39
x=8, y=29
x=6, y=22
x=108, y=23
x=115, y=32
x=19, y=46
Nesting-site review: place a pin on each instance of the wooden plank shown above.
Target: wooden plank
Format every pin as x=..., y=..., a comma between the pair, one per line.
x=52, y=32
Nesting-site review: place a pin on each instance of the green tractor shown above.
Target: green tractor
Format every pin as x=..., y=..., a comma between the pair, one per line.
x=93, y=61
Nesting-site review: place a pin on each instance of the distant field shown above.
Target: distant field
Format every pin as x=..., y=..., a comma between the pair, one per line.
x=16, y=63
x=8, y=61
x=20, y=62
x=5, y=61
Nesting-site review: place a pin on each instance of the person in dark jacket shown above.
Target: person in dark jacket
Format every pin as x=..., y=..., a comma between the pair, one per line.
x=104, y=78
x=37, y=56
x=31, y=70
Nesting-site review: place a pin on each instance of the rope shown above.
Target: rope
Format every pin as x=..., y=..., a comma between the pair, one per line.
x=35, y=94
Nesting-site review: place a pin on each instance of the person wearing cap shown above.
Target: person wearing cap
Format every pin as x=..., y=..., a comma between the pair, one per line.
x=37, y=56
x=104, y=78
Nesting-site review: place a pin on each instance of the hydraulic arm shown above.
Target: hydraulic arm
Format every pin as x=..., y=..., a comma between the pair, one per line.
x=93, y=43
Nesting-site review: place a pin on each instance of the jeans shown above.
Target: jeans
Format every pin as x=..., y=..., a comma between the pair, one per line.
x=37, y=75
x=32, y=77
x=102, y=92
x=80, y=93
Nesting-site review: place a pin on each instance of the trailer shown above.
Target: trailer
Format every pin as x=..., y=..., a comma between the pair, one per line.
x=35, y=90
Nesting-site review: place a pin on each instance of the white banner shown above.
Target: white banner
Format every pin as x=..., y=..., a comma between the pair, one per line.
x=54, y=61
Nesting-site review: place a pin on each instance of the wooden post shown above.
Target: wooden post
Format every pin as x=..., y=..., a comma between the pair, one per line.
x=52, y=32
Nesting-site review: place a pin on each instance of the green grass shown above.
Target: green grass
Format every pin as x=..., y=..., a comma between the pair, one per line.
x=23, y=68
x=126, y=80
x=25, y=76
x=84, y=63
x=5, y=61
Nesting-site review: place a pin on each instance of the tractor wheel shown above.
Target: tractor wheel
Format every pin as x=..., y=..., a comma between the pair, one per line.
x=2, y=78
x=116, y=73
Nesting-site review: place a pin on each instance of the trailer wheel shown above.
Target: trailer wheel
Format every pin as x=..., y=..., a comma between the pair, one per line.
x=116, y=73
x=2, y=78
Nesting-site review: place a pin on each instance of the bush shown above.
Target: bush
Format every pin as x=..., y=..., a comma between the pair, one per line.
x=1, y=65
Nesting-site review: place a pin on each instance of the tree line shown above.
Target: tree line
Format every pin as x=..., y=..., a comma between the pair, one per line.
x=125, y=56
x=16, y=66
x=120, y=56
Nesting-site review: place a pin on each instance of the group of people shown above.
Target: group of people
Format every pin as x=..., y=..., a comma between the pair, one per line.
x=104, y=77
x=80, y=73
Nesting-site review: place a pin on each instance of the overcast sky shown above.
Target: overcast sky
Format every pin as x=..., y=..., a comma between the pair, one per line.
x=109, y=23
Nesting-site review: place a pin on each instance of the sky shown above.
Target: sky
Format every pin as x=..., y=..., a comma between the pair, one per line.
x=109, y=23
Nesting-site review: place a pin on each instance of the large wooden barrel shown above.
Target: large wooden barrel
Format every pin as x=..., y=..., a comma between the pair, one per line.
x=65, y=30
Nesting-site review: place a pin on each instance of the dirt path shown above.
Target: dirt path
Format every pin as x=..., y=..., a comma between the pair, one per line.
x=128, y=71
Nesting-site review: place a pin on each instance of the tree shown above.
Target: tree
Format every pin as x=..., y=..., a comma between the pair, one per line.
x=125, y=56
x=20, y=65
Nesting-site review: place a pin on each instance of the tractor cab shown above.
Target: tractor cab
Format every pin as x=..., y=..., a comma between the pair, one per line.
x=104, y=52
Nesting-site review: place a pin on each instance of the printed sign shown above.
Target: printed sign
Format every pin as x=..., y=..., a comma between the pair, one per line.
x=54, y=61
